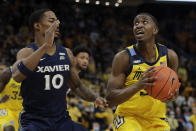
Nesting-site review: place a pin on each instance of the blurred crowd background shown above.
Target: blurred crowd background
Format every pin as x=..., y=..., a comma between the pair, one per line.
x=107, y=30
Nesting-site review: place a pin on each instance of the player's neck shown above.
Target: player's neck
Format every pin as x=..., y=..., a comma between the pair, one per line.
x=147, y=50
x=39, y=40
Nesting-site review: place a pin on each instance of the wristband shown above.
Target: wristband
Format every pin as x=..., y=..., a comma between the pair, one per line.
x=23, y=69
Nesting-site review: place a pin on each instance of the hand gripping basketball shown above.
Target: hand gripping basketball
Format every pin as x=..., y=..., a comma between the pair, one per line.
x=166, y=86
x=147, y=79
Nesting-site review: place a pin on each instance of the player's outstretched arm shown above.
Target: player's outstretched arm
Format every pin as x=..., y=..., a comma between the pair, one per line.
x=4, y=78
x=79, y=88
x=27, y=59
x=116, y=93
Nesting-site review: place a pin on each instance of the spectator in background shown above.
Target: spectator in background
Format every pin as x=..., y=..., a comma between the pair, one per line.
x=179, y=118
x=186, y=116
x=74, y=112
x=182, y=73
x=193, y=116
x=173, y=123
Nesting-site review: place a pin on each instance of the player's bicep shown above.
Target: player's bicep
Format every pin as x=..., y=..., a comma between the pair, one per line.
x=173, y=60
x=119, y=66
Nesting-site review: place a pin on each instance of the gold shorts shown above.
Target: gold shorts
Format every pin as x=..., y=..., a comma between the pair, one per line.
x=135, y=123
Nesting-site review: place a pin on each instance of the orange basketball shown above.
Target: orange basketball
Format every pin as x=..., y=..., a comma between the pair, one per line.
x=167, y=83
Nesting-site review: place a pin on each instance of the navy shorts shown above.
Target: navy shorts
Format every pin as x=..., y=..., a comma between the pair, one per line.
x=29, y=122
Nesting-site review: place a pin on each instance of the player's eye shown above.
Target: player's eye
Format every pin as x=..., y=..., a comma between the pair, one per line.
x=136, y=23
x=145, y=22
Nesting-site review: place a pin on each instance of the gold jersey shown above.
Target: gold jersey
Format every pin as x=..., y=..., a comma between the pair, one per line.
x=193, y=121
x=12, y=89
x=141, y=104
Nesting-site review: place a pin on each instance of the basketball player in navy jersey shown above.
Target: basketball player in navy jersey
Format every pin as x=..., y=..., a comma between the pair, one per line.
x=46, y=70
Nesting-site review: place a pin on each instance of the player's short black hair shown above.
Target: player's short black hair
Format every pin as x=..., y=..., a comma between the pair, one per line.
x=151, y=16
x=36, y=17
x=81, y=48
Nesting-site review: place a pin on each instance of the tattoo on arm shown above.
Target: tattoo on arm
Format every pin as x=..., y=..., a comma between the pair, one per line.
x=75, y=83
x=79, y=88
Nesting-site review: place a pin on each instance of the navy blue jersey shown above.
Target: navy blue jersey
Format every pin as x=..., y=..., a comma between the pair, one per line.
x=44, y=91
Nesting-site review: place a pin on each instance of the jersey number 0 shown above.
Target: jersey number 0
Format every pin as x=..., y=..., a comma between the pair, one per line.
x=54, y=79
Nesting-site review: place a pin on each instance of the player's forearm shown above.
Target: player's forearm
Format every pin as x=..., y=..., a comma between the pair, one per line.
x=117, y=96
x=79, y=88
x=83, y=92
x=33, y=60
x=30, y=62
x=86, y=93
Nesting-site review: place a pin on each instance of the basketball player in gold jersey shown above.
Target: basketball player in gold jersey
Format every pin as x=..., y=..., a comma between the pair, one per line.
x=10, y=101
x=131, y=69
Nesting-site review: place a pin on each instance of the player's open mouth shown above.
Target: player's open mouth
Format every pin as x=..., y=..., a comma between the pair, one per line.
x=139, y=32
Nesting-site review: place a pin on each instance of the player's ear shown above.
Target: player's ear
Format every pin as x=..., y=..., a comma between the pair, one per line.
x=155, y=30
x=36, y=26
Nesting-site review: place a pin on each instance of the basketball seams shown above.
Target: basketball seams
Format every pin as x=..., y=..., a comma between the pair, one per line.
x=155, y=75
x=173, y=91
x=164, y=85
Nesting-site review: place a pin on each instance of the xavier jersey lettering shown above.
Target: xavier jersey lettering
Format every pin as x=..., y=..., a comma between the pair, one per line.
x=141, y=104
x=44, y=91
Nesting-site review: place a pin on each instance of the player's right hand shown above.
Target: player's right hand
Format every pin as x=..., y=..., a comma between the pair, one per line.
x=50, y=33
x=147, y=79
x=4, y=99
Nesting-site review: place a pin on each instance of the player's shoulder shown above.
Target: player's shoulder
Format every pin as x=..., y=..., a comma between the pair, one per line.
x=68, y=50
x=172, y=54
x=121, y=61
x=122, y=55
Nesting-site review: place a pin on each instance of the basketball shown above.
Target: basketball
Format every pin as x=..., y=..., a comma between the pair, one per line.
x=167, y=83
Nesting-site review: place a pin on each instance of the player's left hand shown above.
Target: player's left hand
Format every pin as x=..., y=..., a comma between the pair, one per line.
x=100, y=101
x=173, y=97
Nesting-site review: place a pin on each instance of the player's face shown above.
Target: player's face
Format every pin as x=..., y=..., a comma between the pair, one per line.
x=82, y=60
x=46, y=21
x=144, y=28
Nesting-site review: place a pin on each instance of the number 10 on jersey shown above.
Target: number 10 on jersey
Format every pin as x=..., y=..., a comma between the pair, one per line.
x=53, y=80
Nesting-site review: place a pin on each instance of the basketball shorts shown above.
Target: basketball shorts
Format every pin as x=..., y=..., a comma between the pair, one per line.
x=29, y=122
x=134, y=123
x=6, y=118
